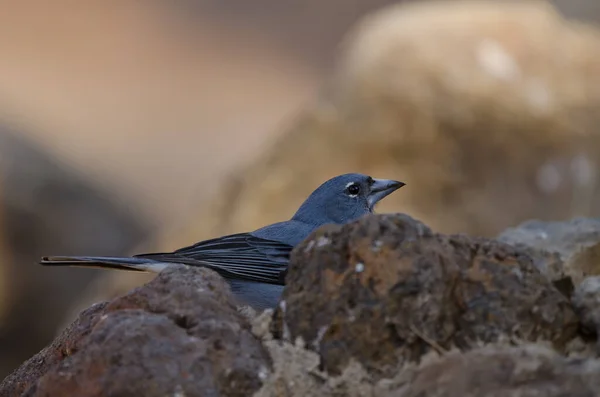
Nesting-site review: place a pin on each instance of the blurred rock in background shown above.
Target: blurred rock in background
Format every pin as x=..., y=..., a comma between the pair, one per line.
x=488, y=113
x=49, y=208
x=497, y=125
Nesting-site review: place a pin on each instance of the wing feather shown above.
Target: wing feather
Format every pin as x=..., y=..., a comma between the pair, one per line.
x=239, y=255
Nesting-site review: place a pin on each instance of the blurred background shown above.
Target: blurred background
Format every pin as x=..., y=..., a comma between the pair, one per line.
x=132, y=126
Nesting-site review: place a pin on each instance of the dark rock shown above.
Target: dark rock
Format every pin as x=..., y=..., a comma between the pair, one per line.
x=385, y=290
x=586, y=301
x=526, y=371
x=180, y=333
x=529, y=370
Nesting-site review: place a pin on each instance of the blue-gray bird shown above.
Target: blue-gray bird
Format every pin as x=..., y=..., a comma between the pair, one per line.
x=255, y=263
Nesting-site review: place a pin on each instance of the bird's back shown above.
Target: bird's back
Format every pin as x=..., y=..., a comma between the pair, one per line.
x=289, y=232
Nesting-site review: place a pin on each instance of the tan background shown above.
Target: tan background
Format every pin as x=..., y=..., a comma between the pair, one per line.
x=120, y=120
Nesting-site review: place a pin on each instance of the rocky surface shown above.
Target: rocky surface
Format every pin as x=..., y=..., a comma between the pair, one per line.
x=387, y=290
x=179, y=334
x=586, y=301
x=381, y=306
x=529, y=370
x=565, y=251
x=492, y=371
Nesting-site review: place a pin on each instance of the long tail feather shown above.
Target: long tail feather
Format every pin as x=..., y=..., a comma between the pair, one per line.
x=131, y=264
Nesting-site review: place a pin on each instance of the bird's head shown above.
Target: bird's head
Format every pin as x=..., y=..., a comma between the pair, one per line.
x=345, y=198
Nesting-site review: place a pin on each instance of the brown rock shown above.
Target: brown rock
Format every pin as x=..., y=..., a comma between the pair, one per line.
x=527, y=371
x=181, y=333
x=386, y=290
x=586, y=301
x=67, y=343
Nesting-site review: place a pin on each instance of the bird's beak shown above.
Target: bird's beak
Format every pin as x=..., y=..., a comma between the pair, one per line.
x=382, y=188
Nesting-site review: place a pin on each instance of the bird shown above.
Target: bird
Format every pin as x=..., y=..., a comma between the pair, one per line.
x=255, y=263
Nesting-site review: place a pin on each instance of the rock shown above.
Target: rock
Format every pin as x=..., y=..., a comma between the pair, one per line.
x=47, y=209
x=559, y=249
x=493, y=370
x=68, y=342
x=386, y=290
x=586, y=301
x=107, y=286
x=496, y=126
x=529, y=370
x=179, y=334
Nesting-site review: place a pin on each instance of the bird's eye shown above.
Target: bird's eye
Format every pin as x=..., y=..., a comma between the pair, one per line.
x=353, y=189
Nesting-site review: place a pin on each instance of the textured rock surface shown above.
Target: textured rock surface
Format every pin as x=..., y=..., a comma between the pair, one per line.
x=505, y=372
x=500, y=371
x=586, y=301
x=559, y=249
x=386, y=290
x=180, y=333
x=380, y=307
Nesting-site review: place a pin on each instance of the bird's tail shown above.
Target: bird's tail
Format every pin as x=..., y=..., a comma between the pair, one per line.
x=105, y=262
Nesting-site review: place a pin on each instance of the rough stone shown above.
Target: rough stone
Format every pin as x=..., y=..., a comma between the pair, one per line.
x=560, y=250
x=68, y=342
x=386, y=290
x=179, y=334
x=529, y=370
x=586, y=301
x=526, y=371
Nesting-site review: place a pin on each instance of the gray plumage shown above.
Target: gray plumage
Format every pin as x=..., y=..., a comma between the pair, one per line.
x=255, y=263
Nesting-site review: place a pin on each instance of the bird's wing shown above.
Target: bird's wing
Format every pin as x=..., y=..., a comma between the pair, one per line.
x=241, y=256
